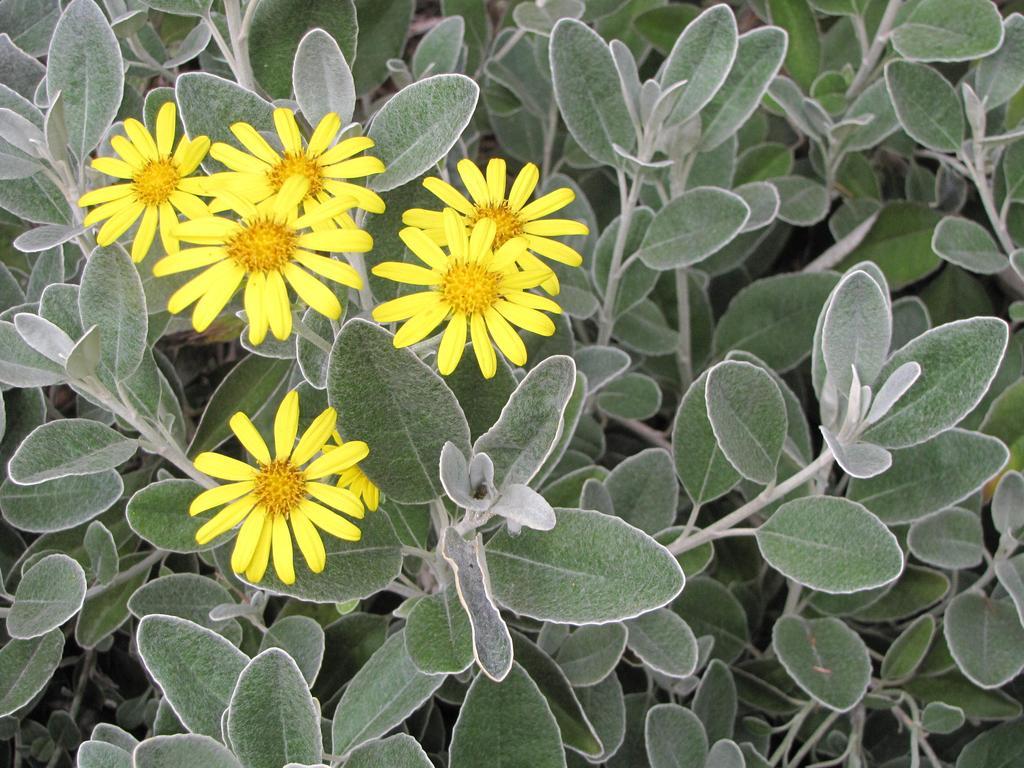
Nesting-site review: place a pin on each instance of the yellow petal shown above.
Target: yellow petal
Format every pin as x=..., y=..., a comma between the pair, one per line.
x=286, y=425
x=217, y=297
x=189, y=204
x=356, y=168
x=315, y=436
x=168, y=223
x=119, y=223
x=345, y=149
x=333, y=462
x=190, y=153
x=165, y=128
x=401, y=272
x=475, y=183
x=288, y=130
x=279, y=307
x=496, y=179
x=332, y=269
x=337, y=241
x=452, y=343
x=505, y=337
x=189, y=259
x=113, y=167
x=190, y=292
x=425, y=220
x=547, y=204
x=481, y=238
x=339, y=498
x=555, y=250
x=284, y=564
x=261, y=556
x=312, y=291
x=207, y=231
x=405, y=306
x=222, y=494
x=523, y=186
x=249, y=437
x=223, y=467
x=362, y=197
x=248, y=538
x=255, y=311
x=251, y=139
x=145, y=234
x=128, y=152
x=529, y=319
x=287, y=200
x=448, y=195
x=455, y=234
x=556, y=227
x=141, y=138
x=105, y=194
x=323, y=134
x=419, y=326
x=237, y=160
x=326, y=520
x=310, y=544
x=485, y=356
x=425, y=249
x=226, y=519
x=533, y=301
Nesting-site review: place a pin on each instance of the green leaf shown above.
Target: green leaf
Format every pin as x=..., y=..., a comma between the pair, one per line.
x=100, y=754
x=438, y=635
x=21, y=365
x=711, y=609
x=726, y=753
x=528, y=572
x=644, y=491
x=702, y=57
x=802, y=201
x=185, y=595
x=399, y=751
x=803, y=56
x=909, y=649
x=209, y=105
x=383, y=28
x=588, y=93
x=506, y=723
x=69, y=447
x=104, y=561
x=159, y=514
x=272, y=718
x=692, y=227
x=969, y=245
x=674, y=737
x=1008, y=502
x=715, y=701
x=419, y=125
x=530, y=422
x=1000, y=747
x=774, y=318
x=605, y=707
x=196, y=669
x=439, y=50
x=322, y=79
x=631, y=396
x=759, y=56
x=948, y=30
x=84, y=65
x=703, y=469
x=300, y=637
x=182, y=749
x=664, y=642
x=104, y=612
x=951, y=538
x=26, y=667
x=49, y=593
x=831, y=545
x=1000, y=75
x=985, y=637
x=955, y=689
x=937, y=717
x=279, y=25
x=856, y=331
x=56, y=505
x=826, y=658
x=958, y=362
x=111, y=299
x=590, y=653
x=926, y=105
x=385, y=691
x=748, y=416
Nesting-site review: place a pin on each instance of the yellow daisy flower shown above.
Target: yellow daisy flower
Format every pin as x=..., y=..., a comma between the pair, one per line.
x=356, y=480
x=156, y=184
x=263, y=170
x=267, y=247
x=512, y=215
x=280, y=491
x=473, y=285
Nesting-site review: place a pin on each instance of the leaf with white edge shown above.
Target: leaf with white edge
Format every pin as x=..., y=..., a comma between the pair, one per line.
x=399, y=751
x=492, y=643
x=857, y=459
x=693, y=226
x=583, y=571
x=49, y=593
x=711, y=609
x=419, y=125
x=985, y=638
x=674, y=737
x=1007, y=503
x=702, y=57
x=43, y=336
x=716, y=700
x=210, y=104
x=69, y=447
x=111, y=298
x=530, y=422
x=958, y=362
x=762, y=198
x=523, y=507
x=826, y=658
x=439, y=50
x=272, y=718
x=100, y=754
x=591, y=652
x=703, y=469
x=23, y=366
x=748, y=416
x=948, y=30
x=507, y=723
x=892, y=389
x=147, y=514
x=909, y=649
x=601, y=364
x=196, y=669
x=999, y=76
x=938, y=717
x=104, y=561
x=803, y=54
x=386, y=690
x=1010, y=573
x=725, y=753
x=927, y=106
x=300, y=637
x=56, y=505
x=182, y=749
x=856, y=331
x=830, y=544
x=322, y=79
x=406, y=413
x=185, y=595
x=664, y=642
x=802, y=201
x=26, y=667
x=84, y=65
x=586, y=87
x=951, y=538
x=438, y=634
x=969, y=245
x=644, y=491
x=631, y=396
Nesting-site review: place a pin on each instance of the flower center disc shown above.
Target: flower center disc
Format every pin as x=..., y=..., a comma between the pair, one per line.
x=156, y=181
x=506, y=222
x=262, y=246
x=470, y=288
x=280, y=486
x=297, y=165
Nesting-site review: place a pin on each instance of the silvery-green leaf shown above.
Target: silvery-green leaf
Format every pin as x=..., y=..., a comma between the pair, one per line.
x=763, y=201
x=26, y=667
x=209, y=104
x=1000, y=75
x=69, y=447
x=49, y=593
x=958, y=362
x=523, y=507
x=23, y=366
x=84, y=358
x=587, y=90
x=111, y=298
x=1011, y=576
x=674, y=737
x=506, y=722
x=193, y=44
x=969, y=245
x=84, y=65
x=272, y=718
x=419, y=125
x=605, y=708
x=748, y=417
x=104, y=561
x=439, y=50
x=530, y=422
x=664, y=642
x=46, y=236
x=802, y=201
x=926, y=104
x=830, y=544
x=759, y=56
x=985, y=638
x=1008, y=504
x=631, y=396
x=826, y=658
x=438, y=634
x=147, y=515
x=858, y=459
x=601, y=364
x=908, y=650
x=184, y=595
x=856, y=331
x=43, y=336
x=455, y=478
x=715, y=701
x=951, y=539
x=398, y=751
x=702, y=467
x=711, y=609
x=702, y=57
x=693, y=226
x=182, y=749
x=492, y=643
x=590, y=653
x=948, y=30
x=181, y=7
x=803, y=54
x=196, y=669
x=386, y=690
x=528, y=571
x=725, y=753
x=644, y=491
x=312, y=358
x=892, y=389
x=100, y=754
x=383, y=31
x=938, y=717
x=406, y=414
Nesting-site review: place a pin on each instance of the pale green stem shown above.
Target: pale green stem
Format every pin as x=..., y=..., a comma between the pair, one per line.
x=607, y=315
x=870, y=61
